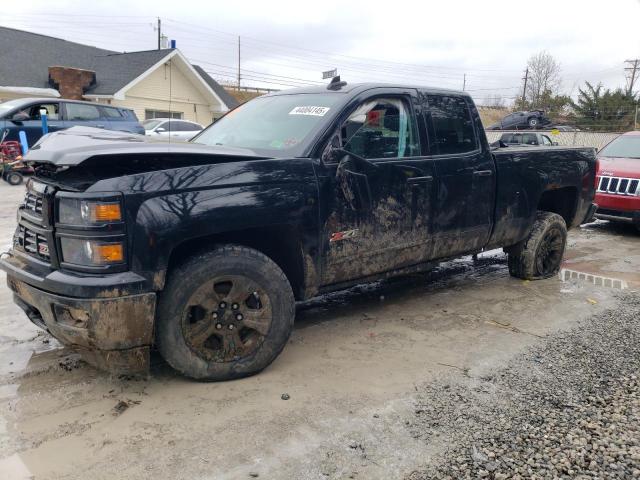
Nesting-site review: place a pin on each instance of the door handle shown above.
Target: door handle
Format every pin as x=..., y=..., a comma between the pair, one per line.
x=415, y=180
x=99, y=126
x=483, y=173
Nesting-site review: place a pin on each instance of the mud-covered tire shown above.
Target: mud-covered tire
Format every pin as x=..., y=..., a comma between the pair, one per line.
x=530, y=259
x=195, y=273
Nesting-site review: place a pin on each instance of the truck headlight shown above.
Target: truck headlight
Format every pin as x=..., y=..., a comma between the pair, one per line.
x=75, y=211
x=80, y=251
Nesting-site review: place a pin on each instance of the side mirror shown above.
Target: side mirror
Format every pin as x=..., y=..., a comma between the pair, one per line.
x=555, y=144
x=160, y=130
x=355, y=162
x=19, y=117
x=352, y=180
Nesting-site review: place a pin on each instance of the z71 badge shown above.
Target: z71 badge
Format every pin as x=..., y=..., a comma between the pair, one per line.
x=335, y=237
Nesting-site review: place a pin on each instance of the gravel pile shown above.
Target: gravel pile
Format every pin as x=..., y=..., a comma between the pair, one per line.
x=567, y=409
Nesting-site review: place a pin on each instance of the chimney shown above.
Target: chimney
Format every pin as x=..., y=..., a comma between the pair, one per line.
x=71, y=82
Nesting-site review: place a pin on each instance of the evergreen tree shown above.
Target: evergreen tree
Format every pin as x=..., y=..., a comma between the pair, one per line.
x=606, y=110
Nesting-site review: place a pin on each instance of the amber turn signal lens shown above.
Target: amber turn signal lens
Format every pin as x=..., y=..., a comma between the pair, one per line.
x=105, y=212
x=108, y=253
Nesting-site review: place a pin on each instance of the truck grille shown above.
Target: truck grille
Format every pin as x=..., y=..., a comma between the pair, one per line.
x=31, y=242
x=33, y=202
x=619, y=185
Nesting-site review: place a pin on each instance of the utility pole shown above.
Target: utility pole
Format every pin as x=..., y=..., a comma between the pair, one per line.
x=159, y=32
x=464, y=82
x=633, y=66
x=524, y=89
x=238, y=62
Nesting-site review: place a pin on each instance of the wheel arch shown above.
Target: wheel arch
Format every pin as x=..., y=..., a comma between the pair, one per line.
x=562, y=200
x=281, y=243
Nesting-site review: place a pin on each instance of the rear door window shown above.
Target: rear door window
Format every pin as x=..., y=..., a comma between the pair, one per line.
x=112, y=113
x=189, y=127
x=452, y=124
x=179, y=126
x=82, y=112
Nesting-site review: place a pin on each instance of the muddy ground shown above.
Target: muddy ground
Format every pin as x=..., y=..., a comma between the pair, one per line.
x=356, y=369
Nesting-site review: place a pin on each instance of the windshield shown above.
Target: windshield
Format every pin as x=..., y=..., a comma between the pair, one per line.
x=151, y=124
x=624, y=146
x=276, y=126
x=9, y=105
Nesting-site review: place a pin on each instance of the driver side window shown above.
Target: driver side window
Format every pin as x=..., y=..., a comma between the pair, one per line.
x=32, y=112
x=381, y=128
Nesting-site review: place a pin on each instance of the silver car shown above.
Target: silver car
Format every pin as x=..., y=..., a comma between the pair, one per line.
x=172, y=128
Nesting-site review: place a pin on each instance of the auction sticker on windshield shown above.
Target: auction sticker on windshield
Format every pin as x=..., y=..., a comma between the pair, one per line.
x=309, y=110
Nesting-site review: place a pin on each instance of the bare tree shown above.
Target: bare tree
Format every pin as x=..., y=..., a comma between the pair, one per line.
x=543, y=77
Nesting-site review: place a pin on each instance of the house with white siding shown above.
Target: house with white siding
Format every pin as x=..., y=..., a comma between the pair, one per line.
x=153, y=83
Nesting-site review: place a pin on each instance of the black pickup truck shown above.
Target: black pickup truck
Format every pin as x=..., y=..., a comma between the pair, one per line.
x=201, y=249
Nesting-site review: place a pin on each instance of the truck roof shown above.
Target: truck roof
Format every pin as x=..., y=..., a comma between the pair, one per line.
x=356, y=88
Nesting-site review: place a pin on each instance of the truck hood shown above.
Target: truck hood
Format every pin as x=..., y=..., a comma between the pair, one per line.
x=619, y=167
x=75, y=145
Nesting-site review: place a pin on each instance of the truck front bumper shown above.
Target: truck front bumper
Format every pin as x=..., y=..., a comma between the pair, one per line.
x=111, y=332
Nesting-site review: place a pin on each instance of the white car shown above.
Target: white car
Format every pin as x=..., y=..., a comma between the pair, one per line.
x=171, y=128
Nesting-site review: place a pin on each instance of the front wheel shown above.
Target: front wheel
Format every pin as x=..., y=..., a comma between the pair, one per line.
x=540, y=254
x=224, y=314
x=533, y=122
x=14, y=178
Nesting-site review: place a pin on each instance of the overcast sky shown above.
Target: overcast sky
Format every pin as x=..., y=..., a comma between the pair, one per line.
x=289, y=43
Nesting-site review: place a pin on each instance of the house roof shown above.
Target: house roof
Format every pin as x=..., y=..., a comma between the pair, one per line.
x=227, y=98
x=27, y=56
x=116, y=70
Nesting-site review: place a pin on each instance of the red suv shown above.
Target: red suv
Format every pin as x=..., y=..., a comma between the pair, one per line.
x=618, y=180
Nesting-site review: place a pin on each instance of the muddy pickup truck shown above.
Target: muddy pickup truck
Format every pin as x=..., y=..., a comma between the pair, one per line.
x=201, y=250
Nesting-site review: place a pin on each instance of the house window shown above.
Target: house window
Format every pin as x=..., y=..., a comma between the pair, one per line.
x=151, y=114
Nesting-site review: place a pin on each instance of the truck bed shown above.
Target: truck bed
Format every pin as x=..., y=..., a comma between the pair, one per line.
x=527, y=177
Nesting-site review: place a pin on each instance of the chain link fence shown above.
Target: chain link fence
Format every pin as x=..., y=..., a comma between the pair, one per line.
x=568, y=139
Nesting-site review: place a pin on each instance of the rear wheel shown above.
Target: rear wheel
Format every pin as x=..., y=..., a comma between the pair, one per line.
x=540, y=254
x=533, y=122
x=224, y=314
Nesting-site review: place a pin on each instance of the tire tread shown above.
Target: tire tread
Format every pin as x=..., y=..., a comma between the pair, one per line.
x=521, y=261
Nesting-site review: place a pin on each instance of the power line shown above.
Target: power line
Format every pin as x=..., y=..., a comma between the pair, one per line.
x=204, y=62
x=297, y=58
x=330, y=53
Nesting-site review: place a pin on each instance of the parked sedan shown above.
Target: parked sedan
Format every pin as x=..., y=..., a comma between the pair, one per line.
x=171, y=128
x=527, y=139
x=521, y=120
x=24, y=114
